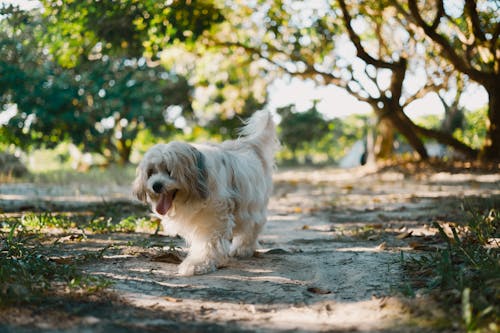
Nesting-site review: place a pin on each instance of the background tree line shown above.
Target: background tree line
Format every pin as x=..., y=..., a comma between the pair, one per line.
x=101, y=74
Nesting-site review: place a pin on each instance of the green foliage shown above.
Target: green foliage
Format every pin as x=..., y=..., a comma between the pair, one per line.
x=309, y=138
x=28, y=80
x=36, y=222
x=310, y=124
x=474, y=131
x=11, y=166
x=127, y=28
x=430, y=121
x=464, y=274
x=104, y=225
x=102, y=74
x=107, y=219
x=225, y=127
x=176, y=33
x=100, y=105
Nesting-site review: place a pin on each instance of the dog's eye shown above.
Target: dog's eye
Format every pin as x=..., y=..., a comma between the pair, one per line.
x=149, y=172
x=164, y=168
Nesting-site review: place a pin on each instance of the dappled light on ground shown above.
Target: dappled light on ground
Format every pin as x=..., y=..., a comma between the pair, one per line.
x=331, y=257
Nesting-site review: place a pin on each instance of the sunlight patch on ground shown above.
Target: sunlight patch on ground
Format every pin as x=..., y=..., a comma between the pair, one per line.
x=463, y=177
x=377, y=313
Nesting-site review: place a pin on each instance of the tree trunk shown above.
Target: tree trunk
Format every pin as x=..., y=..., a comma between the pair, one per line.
x=453, y=119
x=384, y=143
x=453, y=113
x=124, y=148
x=405, y=127
x=370, y=157
x=491, y=148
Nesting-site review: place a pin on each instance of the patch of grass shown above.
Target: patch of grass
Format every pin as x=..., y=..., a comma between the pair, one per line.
x=464, y=276
x=127, y=224
x=28, y=275
x=107, y=219
x=38, y=221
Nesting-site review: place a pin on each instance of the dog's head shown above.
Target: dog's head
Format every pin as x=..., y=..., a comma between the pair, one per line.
x=173, y=172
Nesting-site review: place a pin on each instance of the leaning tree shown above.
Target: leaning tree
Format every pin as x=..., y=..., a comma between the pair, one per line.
x=361, y=46
x=467, y=36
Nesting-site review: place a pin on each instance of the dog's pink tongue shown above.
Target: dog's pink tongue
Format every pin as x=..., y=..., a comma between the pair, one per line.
x=164, y=203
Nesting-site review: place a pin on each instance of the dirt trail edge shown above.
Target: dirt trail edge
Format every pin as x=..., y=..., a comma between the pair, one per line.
x=330, y=260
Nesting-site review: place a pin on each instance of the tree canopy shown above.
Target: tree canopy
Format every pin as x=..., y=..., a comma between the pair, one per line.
x=138, y=64
x=100, y=104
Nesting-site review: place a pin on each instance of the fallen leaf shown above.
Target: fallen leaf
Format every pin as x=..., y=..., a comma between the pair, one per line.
x=382, y=246
x=421, y=246
x=348, y=187
x=297, y=210
x=63, y=260
x=70, y=238
x=404, y=235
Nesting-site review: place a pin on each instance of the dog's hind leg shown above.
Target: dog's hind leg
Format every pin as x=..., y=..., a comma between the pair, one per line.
x=248, y=228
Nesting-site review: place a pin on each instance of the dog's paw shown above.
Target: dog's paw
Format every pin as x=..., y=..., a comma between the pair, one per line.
x=242, y=252
x=189, y=268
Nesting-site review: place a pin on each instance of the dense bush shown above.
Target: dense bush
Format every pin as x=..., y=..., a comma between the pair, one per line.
x=12, y=166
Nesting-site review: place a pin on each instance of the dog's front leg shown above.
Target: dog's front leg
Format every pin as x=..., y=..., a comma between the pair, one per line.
x=205, y=256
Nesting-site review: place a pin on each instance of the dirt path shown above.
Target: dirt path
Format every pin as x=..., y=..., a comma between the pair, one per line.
x=330, y=260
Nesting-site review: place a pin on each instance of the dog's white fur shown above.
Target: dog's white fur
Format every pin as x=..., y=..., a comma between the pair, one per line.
x=213, y=195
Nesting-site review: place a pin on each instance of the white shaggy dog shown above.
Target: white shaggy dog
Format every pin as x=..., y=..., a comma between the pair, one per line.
x=213, y=195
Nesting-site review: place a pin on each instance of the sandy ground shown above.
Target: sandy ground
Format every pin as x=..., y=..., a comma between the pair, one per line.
x=330, y=259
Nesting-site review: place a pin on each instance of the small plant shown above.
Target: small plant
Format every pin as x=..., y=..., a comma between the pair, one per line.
x=104, y=224
x=465, y=275
x=38, y=221
x=128, y=224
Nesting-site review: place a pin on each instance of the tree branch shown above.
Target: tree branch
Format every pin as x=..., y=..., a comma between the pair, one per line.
x=470, y=6
x=493, y=42
x=448, y=140
x=447, y=48
x=260, y=54
x=398, y=76
x=309, y=72
x=428, y=88
x=439, y=15
x=361, y=52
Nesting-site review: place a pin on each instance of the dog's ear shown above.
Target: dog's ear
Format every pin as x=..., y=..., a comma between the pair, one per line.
x=194, y=173
x=202, y=174
x=139, y=185
x=189, y=169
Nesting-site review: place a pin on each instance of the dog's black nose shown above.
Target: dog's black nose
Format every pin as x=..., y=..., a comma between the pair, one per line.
x=157, y=187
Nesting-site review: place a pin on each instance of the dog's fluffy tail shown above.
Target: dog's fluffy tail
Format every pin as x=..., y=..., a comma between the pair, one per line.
x=260, y=131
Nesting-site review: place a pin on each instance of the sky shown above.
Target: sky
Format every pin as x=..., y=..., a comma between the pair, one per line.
x=334, y=101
